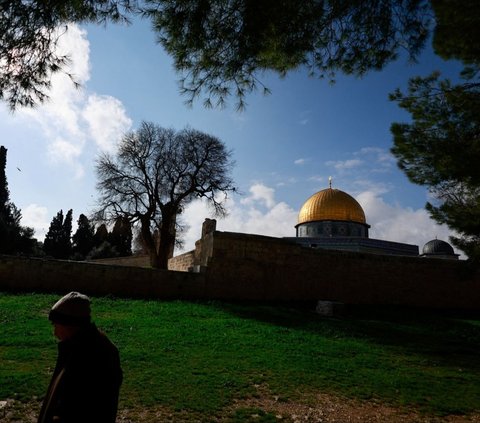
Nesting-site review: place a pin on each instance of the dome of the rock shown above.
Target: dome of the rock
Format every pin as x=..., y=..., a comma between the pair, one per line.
x=331, y=213
x=331, y=204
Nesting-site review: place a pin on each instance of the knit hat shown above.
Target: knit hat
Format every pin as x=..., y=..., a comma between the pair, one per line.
x=72, y=310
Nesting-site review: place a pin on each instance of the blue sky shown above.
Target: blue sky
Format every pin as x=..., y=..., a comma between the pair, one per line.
x=285, y=145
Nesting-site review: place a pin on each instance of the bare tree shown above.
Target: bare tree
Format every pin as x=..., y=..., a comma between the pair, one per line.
x=154, y=174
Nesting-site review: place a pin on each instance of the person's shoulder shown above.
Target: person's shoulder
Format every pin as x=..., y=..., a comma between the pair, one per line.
x=106, y=342
x=96, y=353
x=92, y=340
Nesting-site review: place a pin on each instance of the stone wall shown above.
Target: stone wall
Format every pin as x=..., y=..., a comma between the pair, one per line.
x=38, y=275
x=182, y=263
x=252, y=267
x=141, y=260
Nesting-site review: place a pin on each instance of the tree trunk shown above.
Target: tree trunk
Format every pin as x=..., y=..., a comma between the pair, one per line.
x=150, y=243
x=161, y=252
x=155, y=259
x=167, y=240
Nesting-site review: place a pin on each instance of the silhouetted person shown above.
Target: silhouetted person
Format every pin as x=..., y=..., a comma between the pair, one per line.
x=86, y=381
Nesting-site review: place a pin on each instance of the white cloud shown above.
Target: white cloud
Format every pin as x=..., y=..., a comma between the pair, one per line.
x=376, y=188
x=275, y=221
x=345, y=164
x=399, y=224
x=258, y=214
x=262, y=194
x=63, y=151
x=72, y=118
x=60, y=112
x=73, y=43
x=300, y=162
x=36, y=217
x=368, y=160
x=107, y=120
x=383, y=158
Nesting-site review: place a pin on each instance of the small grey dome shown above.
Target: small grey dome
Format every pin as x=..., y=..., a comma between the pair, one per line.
x=437, y=246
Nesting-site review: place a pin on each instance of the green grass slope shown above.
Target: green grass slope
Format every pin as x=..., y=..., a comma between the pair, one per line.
x=199, y=357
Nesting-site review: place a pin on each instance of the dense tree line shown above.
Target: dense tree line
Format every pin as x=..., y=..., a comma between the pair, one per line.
x=87, y=242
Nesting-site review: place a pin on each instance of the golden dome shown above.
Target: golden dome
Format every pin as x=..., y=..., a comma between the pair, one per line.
x=331, y=204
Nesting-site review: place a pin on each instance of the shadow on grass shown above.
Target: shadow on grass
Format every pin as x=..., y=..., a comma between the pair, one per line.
x=449, y=338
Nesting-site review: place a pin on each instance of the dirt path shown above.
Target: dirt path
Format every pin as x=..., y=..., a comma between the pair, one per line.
x=329, y=409
x=325, y=409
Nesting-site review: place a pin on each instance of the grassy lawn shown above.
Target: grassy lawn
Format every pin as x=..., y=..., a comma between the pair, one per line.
x=199, y=357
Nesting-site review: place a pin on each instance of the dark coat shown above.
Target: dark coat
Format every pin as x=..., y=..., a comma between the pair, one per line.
x=86, y=381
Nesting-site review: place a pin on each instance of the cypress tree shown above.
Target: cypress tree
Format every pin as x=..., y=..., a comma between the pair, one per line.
x=14, y=238
x=121, y=236
x=101, y=235
x=83, y=239
x=57, y=240
x=4, y=195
